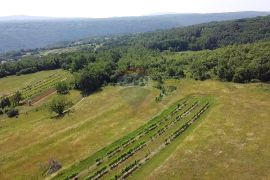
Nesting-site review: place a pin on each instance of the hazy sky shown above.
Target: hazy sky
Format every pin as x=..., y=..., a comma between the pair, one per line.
x=110, y=8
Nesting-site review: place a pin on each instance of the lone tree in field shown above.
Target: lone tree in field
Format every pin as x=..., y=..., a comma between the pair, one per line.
x=62, y=87
x=59, y=104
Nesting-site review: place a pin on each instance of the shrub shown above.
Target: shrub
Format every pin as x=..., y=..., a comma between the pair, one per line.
x=1, y=112
x=16, y=98
x=163, y=91
x=172, y=88
x=142, y=84
x=255, y=81
x=53, y=166
x=62, y=87
x=59, y=104
x=12, y=112
x=159, y=86
x=4, y=102
x=159, y=98
x=136, y=83
x=6, y=110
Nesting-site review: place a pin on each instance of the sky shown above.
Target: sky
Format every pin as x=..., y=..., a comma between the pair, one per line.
x=113, y=8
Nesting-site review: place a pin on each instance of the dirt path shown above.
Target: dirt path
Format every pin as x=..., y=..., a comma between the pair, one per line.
x=74, y=105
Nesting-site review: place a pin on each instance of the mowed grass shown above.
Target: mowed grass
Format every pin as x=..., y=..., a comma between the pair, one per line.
x=88, y=165
x=11, y=84
x=30, y=141
x=230, y=142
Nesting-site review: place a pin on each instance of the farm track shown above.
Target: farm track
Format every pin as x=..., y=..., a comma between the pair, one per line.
x=122, y=159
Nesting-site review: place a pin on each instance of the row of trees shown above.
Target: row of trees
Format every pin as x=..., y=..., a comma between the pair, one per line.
x=30, y=64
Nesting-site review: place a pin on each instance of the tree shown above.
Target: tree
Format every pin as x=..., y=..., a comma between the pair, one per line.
x=59, y=104
x=93, y=76
x=175, y=72
x=62, y=87
x=5, y=101
x=78, y=63
x=16, y=98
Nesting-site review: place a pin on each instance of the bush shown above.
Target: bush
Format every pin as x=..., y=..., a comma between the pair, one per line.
x=1, y=112
x=54, y=166
x=159, y=86
x=172, y=88
x=129, y=79
x=6, y=110
x=59, y=104
x=4, y=102
x=159, y=98
x=62, y=87
x=12, y=112
x=16, y=98
x=142, y=84
x=255, y=81
x=136, y=83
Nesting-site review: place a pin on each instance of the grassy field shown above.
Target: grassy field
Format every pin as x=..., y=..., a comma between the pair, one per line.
x=147, y=141
x=29, y=142
x=231, y=142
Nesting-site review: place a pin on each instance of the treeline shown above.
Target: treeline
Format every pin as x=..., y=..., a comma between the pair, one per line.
x=30, y=64
x=237, y=63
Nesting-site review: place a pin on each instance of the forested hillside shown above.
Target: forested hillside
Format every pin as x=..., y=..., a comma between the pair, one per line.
x=205, y=36
x=128, y=59
x=27, y=33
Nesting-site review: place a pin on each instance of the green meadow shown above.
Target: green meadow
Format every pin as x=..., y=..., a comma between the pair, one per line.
x=231, y=139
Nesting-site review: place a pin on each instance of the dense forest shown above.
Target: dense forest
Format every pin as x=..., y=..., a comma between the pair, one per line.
x=204, y=36
x=237, y=51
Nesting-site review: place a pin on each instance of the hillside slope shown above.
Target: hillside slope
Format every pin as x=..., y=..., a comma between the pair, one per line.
x=230, y=137
x=201, y=36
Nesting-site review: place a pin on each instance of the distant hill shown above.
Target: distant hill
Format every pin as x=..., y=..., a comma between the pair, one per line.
x=24, y=32
x=24, y=18
x=202, y=36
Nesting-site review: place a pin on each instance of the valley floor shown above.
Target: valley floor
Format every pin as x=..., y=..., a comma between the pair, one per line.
x=232, y=142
